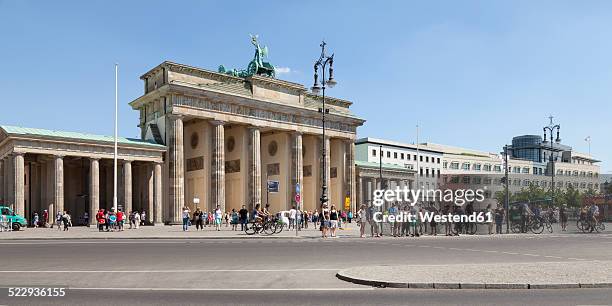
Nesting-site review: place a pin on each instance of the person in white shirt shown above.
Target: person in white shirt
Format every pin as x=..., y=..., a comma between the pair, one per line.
x=292, y=215
x=218, y=217
x=143, y=218
x=136, y=220
x=186, y=214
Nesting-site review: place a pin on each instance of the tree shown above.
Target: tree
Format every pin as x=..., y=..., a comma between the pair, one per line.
x=572, y=197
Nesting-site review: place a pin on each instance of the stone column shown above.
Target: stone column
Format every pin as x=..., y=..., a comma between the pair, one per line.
x=157, y=210
x=19, y=184
x=360, y=193
x=297, y=167
x=254, y=174
x=217, y=191
x=10, y=180
x=58, y=184
x=150, y=193
x=2, y=189
x=350, y=173
x=94, y=189
x=176, y=167
x=127, y=189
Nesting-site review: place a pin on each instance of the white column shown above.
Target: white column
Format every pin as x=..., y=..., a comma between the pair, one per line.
x=218, y=166
x=150, y=175
x=158, y=216
x=2, y=188
x=58, y=183
x=94, y=189
x=127, y=189
x=350, y=175
x=297, y=167
x=176, y=168
x=19, y=184
x=254, y=171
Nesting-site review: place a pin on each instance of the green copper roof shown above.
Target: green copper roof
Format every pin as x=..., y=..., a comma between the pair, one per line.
x=385, y=166
x=16, y=130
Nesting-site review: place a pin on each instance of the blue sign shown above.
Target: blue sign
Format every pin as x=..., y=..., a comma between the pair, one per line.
x=297, y=188
x=272, y=186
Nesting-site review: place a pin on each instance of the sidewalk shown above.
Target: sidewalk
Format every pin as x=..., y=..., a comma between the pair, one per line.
x=165, y=232
x=540, y=275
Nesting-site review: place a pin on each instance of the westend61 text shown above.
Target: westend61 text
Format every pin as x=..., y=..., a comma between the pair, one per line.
x=458, y=196
x=480, y=217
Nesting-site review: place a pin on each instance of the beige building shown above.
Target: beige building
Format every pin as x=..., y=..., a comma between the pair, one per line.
x=227, y=136
x=206, y=135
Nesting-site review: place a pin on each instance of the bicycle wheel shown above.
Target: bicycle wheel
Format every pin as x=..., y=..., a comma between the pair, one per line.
x=536, y=227
x=549, y=227
x=269, y=228
x=471, y=229
x=279, y=227
x=251, y=228
x=515, y=228
x=580, y=224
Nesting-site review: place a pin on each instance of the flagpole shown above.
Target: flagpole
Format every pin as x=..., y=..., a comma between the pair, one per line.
x=115, y=146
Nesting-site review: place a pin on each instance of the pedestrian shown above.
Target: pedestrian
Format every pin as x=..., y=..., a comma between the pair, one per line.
x=243, y=217
x=45, y=218
x=197, y=219
x=186, y=213
x=218, y=216
x=333, y=221
x=120, y=219
x=292, y=216
x=362, y=220
x=226, y=218
x=350, y=216
x=235, y=218
x=100, y=219
x=35, y=220
x=66, y=220
x=489, y=215
x=112, y=220
x=374, y=227
x=58, y=220
x=499, y=219
x=136, y=219
x=563, y=217
x=143, y=218
x=211, y=218
x=306, y=217
x=325, y=220
x=86, y=218
x=433, y=224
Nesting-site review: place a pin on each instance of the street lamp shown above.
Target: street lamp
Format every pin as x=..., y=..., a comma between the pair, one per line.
x=551, y=128
x=507, y=191
x=319, y=86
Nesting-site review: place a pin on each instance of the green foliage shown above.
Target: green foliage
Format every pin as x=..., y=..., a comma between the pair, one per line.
x=572, y=197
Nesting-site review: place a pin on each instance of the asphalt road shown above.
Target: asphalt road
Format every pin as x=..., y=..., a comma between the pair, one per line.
x=201, y=271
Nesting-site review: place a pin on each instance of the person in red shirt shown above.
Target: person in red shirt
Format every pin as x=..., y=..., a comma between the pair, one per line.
x=120, y=220
x=101, y=220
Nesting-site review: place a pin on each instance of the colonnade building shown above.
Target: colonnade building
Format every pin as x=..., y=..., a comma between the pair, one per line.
x=207, y=138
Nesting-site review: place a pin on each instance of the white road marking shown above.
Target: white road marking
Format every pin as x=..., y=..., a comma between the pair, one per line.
x=165, y=271
x=230, y=289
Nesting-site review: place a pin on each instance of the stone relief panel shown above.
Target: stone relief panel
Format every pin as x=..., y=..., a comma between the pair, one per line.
x=196, y=163
x=232, y=166
x=273, y=169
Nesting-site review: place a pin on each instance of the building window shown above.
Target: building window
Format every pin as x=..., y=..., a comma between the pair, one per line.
x=438, y=172
x=454, y=165
x=438, y=160
x=559, y=172
x=477, y=167
x=575, y=173
x=427, y=172
x=402, y=156
x=414, y=157
x=466, y=180
x=487, y=181
x=445, y=165
x=526, y=183
x=497, y=168
x=487, y=167
x=426, y=159
x=421, y=172
x=525, y=170
x=455, y=179
x=388, y=154
x=395, y=155
x=421, y=158
x=590, y=174
x=465, y=166
x=477, y=180
x=374, y=153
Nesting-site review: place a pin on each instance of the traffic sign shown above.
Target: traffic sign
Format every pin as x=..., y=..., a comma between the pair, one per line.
x=297, y=188
x=298, y=198
x=272, y=186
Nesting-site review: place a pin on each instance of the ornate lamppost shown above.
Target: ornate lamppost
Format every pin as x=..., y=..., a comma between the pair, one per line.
x=319, y=86
x=551, y=128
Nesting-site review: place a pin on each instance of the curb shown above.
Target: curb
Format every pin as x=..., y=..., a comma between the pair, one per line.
x=382, y=284
x=148, y=238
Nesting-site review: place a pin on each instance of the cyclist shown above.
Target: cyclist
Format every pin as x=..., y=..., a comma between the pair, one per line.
x=525, y=214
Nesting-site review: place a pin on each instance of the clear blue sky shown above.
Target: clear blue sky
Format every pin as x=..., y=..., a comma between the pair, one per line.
x=470, y=73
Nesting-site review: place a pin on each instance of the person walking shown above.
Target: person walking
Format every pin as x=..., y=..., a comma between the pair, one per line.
x=489, y=215
x=45, y=217
x=362, y=220
x=143, y=218
x=211, y=218
x=334, y=217
x=136, y=219
x=325, y=220
x=292, y=217
x=101, y=220
x=185, y=214
x=499, y=219
x=197, y=219
x=350, y=216
x=218, y=216
x=58, y=220
x=35, y=220
x=243, y=213
x=66, y=220
x=374, y=228
x=563, y=217
x=234, y=217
